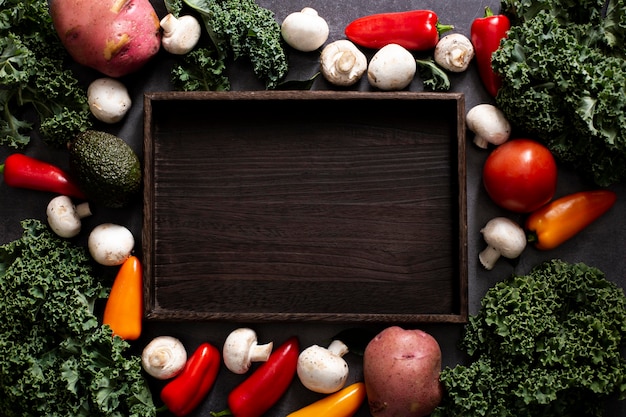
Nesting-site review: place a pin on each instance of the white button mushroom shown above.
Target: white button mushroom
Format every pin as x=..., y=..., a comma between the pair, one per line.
x=323, y=370
x=180, y=35
x=488, y=124
x=64, y=217
x=164, y=357
x=110, y=244
x=241, y=348
x=505, y=238
x=393, y=67
x=108, y=99
x=454, y=52
x=305, y=30
x=342, y=63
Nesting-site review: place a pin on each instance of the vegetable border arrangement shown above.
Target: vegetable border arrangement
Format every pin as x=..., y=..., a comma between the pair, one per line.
x=563, y=70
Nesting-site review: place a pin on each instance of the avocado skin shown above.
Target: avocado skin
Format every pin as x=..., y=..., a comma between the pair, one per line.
x=107, y=169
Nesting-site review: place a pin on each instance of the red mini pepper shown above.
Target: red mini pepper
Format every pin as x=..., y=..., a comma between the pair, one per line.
x=415, y=30
x=486, y=34
x=185, y=392
x=267, y=384
x=23, y=171
x=561, y=219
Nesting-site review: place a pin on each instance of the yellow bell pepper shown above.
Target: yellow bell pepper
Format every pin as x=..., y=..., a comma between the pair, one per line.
x=343, y=403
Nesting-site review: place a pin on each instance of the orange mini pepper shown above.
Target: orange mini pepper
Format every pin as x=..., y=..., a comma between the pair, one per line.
x=561, y=219
x=124, y=308
x=343, y=403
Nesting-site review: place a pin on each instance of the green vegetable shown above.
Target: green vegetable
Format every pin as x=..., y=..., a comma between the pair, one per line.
x=563, y=67
x=107, y=169
x=545, y=344
x=38, y=94
x=433, y=76
x=239, y=29
x=55, y=359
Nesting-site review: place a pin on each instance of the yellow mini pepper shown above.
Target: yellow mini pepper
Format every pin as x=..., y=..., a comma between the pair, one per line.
x=343, y=403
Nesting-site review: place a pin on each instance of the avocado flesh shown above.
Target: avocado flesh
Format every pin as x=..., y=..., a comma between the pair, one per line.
x=107, y=169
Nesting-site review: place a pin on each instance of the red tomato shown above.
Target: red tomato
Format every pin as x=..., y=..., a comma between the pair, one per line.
x=520, y=175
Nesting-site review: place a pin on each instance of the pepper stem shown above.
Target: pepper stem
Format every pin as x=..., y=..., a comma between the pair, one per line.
x=443, y=28
x=222, y=413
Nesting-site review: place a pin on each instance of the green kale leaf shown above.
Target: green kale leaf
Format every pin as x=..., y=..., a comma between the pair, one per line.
x=549, y=344
x=55, y=357
x=238, y=29
x=564, y=81
x=38, y=92
x=434, y=78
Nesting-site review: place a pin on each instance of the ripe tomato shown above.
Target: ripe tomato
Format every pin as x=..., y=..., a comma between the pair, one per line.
x=520, y=175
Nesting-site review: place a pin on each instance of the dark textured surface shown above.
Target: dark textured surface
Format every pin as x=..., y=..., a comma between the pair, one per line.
x=601, y=245
x=294, y=212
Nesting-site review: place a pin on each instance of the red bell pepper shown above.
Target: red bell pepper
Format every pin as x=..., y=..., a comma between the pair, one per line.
x=23, y=171
x=185, y=392
x=415, y=30
x=486, y=33
x=267, y=384
x=561, y=219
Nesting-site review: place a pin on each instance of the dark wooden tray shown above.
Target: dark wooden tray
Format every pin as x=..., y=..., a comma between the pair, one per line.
x=337, y=206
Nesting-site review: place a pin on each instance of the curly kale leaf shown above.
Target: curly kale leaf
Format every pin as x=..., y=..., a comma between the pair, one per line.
x=55, y=358
x=200, y=70
x=37, y=92
x=564, y=82
x=434, y=78
x=548, y=343
x=238, y=29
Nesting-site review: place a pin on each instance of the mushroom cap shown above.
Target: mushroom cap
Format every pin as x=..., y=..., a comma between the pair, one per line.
x=164, y=357
x=342, y=63
x=321, y=370
x=489, y=125
x=108, y=99
x=506, y=236
x=180, y=35
x=305, y=30
x=62, y=216
x=110, y=244
x=393, y=67
x=454, y=52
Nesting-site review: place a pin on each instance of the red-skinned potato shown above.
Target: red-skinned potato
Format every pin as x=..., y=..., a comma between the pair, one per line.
x=115, y=37
x=401, y=369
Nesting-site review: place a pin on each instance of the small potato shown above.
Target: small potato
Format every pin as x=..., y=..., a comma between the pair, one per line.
x=401, y=371
x=115, y=37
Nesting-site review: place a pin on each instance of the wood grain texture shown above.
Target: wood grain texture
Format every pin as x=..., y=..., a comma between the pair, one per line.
x=337, y=206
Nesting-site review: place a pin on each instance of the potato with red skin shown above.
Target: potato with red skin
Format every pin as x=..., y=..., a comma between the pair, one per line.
x=115, y=37
x=401, y=370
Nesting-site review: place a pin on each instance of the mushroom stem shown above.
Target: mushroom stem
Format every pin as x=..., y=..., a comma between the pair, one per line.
x=260, y=353
x=83, y=210
x=488, y=257
x=337, y=347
